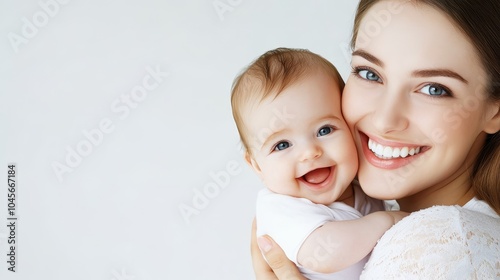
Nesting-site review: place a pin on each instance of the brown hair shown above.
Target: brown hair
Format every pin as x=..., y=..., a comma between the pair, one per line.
x=479, y=21
x=272, y=73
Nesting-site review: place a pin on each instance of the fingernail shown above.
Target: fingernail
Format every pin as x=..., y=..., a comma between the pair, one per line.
x=264, y=244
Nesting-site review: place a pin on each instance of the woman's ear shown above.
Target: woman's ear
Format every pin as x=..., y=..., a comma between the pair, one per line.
x=492, y=125
x=251, y=161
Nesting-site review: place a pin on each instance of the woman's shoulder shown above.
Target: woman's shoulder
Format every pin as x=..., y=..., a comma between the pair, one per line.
x=468, y=223
x=480, y=206
x=474, y=213
x=445, y=242
x=446, y=225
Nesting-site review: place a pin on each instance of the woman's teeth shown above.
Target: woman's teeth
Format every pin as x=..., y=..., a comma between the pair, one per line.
x=386, y=152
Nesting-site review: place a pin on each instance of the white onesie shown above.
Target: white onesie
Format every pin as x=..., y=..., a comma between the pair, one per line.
x=290, y=220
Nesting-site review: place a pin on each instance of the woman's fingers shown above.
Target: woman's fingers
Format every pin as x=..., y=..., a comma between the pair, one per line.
x=260, y=266
x=282, y=267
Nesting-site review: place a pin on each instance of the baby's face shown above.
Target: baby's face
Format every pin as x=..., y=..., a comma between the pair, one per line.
x=299, y=142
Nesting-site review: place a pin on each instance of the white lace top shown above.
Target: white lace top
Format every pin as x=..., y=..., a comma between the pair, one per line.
x=441, y=242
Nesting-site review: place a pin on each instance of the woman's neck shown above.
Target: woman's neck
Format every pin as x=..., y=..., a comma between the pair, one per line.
x=456, y=192
x=348, y=196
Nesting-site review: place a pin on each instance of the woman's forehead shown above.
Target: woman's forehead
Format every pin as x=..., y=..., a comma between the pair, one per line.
x=416, y=37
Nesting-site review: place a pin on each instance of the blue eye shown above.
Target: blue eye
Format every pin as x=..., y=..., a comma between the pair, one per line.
x=324, y=131
x=435, y=90
x=368, y=75
x=281, y=146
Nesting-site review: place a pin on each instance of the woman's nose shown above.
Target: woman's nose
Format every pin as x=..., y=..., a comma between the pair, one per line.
x=390, y=112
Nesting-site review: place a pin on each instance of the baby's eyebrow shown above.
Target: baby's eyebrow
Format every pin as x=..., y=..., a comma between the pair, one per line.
x=332, y=117
x=268, y=138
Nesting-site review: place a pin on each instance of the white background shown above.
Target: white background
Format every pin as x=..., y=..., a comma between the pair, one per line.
x=115, y=213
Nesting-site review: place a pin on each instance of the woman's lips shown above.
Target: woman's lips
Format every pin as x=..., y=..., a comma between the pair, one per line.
x=389, y=156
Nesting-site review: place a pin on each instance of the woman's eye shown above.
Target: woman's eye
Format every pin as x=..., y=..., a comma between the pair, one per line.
x=434, y=90
x=281, y=146
x=368, y=75
x=325, y=131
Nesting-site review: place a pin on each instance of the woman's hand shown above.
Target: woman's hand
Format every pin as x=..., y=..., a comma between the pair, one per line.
x=279, y=267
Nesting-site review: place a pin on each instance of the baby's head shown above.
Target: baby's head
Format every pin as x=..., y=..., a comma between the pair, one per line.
x=269, y=75
x=287, y=109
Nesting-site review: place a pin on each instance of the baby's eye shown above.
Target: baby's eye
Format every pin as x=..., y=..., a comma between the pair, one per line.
x=281, y=146
x=368, y=75
x=325, y=131
x=435, y=90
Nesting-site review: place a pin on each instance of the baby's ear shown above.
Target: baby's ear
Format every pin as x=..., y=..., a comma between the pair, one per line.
x=251, y=161
x=493, y=122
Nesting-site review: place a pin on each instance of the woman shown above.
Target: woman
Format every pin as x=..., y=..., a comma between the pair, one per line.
x=426, y=76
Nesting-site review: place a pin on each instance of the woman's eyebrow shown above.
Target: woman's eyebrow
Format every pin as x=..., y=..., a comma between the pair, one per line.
x=418, y=73
x=364, y=54
x=439, y=72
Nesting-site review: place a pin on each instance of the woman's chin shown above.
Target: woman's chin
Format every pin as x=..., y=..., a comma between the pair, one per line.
x=381, y=188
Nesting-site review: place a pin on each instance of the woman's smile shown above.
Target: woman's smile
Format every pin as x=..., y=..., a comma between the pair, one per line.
x=389, y=156
x=388, y=152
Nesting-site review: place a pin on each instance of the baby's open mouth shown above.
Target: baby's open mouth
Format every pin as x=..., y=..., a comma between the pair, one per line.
x=317, y=176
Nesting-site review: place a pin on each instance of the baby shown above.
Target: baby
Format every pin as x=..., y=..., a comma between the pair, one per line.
x=287, y=109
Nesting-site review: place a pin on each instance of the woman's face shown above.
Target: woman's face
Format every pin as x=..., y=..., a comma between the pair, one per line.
x=415, y=103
